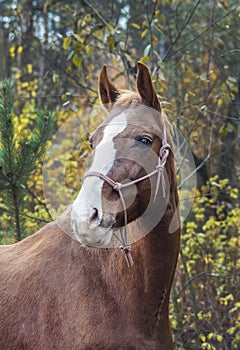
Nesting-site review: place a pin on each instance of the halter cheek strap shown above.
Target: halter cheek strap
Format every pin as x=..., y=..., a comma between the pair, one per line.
x=162, y=158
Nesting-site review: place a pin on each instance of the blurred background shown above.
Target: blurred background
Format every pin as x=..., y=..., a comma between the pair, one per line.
x=51, y=53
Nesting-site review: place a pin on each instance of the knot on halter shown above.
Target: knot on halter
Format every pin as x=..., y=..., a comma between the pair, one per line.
x=164, y=150
x=163, y=154
x=117, y=186
x=126, y=249
x=160, y=167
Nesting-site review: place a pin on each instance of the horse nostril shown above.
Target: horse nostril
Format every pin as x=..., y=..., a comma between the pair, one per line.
x=94, y=217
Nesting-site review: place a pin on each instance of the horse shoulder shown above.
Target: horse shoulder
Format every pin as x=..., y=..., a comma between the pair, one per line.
x=42, y=290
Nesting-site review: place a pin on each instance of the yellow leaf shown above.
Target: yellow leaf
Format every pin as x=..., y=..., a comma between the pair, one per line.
x=64, y=97
x=55, y=77
x=12, y=51
x=46, y=6
x=111, y=42
x=135, y=25
x=130, y=59
x=144, y=59
x=110, y=26
x=202, y=337
x=208, y=260
x=18, y=75
x=78, y=37
x=25, y=84
x=87, y=17
x=144, y=33
x=225, y=4
x=223, y=130
x=29, y=68
x=76, y=60
x=20, y=49
x=231, y=330
x=66, y=42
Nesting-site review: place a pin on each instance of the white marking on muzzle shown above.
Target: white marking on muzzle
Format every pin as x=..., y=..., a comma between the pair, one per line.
x=90, y=195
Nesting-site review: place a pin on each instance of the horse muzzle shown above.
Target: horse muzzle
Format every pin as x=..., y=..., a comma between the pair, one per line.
x=93, y=228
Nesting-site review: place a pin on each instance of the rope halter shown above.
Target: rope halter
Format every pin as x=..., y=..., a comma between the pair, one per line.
x=117, y=186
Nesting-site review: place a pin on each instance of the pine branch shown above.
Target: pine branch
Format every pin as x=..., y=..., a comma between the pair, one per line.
x=8, y=149
x=19, y=154
x=33, y=150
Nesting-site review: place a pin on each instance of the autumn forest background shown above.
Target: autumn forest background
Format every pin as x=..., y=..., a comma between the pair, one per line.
x=51, y=53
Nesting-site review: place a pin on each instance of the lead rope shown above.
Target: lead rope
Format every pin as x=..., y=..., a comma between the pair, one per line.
x=125, y=247
x=117, y=186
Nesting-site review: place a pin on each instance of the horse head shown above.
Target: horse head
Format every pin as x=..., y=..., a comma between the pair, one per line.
x=128, y=148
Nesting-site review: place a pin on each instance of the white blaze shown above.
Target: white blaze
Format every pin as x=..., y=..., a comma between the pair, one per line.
x=90, y=195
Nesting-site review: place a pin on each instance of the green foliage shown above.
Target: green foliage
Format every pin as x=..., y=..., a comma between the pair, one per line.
x=192, y=49
x=21, y=150
x=205, y=296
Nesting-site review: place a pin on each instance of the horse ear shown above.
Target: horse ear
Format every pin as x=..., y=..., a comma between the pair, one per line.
x=107, y=91
x=145, y=87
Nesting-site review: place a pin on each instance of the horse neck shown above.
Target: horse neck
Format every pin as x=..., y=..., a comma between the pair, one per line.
x=144, y=288
x=155, y=255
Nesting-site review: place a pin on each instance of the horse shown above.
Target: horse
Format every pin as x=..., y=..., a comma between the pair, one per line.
x=68, y=286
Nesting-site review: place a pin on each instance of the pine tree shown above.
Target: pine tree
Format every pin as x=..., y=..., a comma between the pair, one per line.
x=19, y=155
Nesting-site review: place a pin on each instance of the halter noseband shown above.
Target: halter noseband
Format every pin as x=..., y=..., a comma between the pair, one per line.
x=117, y=186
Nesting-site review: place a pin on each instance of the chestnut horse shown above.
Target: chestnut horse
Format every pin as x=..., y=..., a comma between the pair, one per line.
x=58, y=294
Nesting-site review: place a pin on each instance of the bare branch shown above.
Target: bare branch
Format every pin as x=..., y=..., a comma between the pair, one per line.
x=197, y=36
x=186, y=22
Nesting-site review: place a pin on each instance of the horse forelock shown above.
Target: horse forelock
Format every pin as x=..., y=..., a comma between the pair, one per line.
x=139, y=114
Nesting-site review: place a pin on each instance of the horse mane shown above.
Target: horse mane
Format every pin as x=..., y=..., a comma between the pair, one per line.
x=128, y=97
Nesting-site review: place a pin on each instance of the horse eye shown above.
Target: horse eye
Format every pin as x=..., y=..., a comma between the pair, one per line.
x=145, y=140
